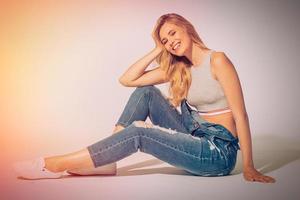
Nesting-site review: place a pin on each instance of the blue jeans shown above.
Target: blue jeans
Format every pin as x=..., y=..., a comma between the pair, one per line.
x=184, y=140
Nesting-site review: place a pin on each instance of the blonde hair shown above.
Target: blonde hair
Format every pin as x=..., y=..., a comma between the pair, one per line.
x=177, y=68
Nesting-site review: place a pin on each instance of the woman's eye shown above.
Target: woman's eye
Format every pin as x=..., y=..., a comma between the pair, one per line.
x=173, y=33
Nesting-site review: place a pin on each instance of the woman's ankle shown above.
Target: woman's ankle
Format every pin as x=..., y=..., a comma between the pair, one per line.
x=54, y=164
x=118, y=128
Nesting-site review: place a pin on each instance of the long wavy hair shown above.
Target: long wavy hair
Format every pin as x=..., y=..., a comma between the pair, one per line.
x=177, y=68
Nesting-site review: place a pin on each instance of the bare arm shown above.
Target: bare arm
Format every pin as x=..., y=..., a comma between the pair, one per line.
x=228, y=77
x=136, y=75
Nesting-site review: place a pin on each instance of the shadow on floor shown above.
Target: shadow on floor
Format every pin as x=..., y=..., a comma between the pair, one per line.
x=271, y=153
x=134, y=169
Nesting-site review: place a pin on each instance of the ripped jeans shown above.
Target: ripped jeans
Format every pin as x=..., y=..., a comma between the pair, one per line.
x=184, y=140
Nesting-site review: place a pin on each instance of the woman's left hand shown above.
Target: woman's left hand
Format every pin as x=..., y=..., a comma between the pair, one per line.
x=251, y=174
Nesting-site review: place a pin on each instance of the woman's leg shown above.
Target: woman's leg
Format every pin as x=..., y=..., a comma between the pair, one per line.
x=197, y=155
x=75, y=160
x=143, y=102
x=173, y=147
x=109, y=169
x=206, y=156
x=148, y=101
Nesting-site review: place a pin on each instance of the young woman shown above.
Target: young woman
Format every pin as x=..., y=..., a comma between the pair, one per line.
x=202, y=138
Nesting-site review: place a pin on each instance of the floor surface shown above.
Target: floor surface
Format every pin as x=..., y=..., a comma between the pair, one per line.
x=142, y=176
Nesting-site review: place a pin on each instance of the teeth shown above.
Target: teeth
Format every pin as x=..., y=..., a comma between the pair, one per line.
x=176, y=46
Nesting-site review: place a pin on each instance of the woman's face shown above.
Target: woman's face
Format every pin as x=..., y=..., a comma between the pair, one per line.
x=175, y=39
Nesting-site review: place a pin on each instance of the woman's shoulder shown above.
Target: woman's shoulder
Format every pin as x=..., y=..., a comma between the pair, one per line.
x=220, y=64
x=218, y=57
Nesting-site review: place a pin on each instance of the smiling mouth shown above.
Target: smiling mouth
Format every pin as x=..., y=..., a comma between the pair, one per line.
x=176, y=46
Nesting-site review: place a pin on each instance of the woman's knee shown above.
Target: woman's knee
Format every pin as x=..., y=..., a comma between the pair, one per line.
x=149, y=91
x=146, y=89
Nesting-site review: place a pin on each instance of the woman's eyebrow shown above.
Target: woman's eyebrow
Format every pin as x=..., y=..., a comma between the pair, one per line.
x=168, y=34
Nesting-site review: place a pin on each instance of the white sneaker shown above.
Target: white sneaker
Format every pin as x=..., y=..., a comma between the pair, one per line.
x=35, y=169
x=109, y=169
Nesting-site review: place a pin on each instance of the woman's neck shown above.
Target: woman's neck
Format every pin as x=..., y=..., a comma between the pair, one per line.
x=195, y=54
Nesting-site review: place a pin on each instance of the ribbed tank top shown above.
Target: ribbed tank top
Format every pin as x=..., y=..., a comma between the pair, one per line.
x=205, y=93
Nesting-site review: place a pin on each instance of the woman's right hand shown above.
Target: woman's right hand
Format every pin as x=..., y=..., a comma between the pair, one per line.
x=158, y=43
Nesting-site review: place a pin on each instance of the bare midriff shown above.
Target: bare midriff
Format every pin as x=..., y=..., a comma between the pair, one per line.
x=224, y=119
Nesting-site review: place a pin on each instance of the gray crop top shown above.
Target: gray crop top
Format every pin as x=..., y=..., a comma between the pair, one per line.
x=205, y=93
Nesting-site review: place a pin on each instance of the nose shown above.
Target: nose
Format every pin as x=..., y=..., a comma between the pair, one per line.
x=171, y=44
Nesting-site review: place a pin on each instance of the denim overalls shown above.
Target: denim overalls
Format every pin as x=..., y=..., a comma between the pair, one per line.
x=184, y=140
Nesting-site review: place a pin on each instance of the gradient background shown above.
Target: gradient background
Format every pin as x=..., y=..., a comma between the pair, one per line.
x=60, y=62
